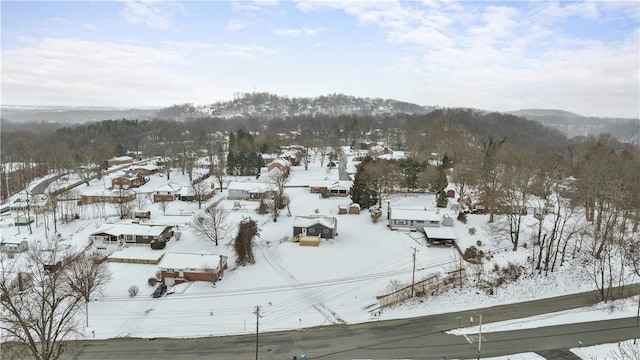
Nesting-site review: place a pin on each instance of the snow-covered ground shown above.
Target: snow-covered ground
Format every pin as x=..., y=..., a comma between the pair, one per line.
x=295, y=286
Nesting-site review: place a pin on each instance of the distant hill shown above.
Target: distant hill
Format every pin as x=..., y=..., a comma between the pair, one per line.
x=71, y=115
x=267, y=106
x=573, y=125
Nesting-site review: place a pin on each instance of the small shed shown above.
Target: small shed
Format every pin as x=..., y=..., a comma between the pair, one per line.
x=343, y=209
x=451, y=193
x=354, y=208
x=139, y=214
x=22, y=220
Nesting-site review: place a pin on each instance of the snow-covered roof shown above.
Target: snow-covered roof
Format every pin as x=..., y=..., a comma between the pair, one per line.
x=122, y=158
x=250, y=186
x=420, y=215
x=439, y=233
x=306, y=221
x=395, y=155
x=171, y=188
x=130, y=229
x=173, y=260
x=148, y=167
x=107, y=193
x=331, y=184
x=282, y=162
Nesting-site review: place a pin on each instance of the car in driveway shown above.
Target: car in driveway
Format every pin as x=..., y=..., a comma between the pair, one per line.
x=159, y=291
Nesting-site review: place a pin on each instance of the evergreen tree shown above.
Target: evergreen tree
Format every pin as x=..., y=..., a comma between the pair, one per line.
x=361, y=191
x=442, y=200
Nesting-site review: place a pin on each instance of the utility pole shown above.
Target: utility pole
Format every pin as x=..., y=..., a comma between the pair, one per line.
x=257, y=312
x=479, y=334
x=413, y=276
x=480, y=337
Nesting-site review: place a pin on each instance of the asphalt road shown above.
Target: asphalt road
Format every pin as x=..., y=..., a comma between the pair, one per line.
x=415, y=338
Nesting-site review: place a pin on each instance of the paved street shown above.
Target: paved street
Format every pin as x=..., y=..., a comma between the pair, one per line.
x=417, y=338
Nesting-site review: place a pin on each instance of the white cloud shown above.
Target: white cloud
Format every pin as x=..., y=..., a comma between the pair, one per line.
x=242, y=51
x=235, y=25
x=155, y=14
x=76, y=72
x=253, y=6
x=296, y=32
x=504, y=57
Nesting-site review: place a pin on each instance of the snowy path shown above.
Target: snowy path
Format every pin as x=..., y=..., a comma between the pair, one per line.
x=275, y=262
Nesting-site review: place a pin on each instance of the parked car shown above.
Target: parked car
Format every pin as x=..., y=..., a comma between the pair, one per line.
x=159, y=291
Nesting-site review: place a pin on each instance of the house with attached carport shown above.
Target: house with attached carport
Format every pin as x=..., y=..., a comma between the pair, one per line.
x=176, y=268
x=325, y=226
x=412, y=219
x=249, y=190
x=111, y=237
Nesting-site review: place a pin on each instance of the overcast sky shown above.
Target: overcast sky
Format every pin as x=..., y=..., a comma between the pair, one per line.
x=577, y=56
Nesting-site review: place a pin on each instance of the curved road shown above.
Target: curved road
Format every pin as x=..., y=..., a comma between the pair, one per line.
x=415, y=338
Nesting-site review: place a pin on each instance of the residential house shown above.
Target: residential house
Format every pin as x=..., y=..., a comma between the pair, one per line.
x=331, y=188
x=176, y=268
x=108, y=196
x=166, y=192
x=325, y=226
x=250, y=190
x=120, y=160
x=128, y=179
x=281, y=164
x=412, y=219
x=12, y=247
x=147, y=169
x=111, y=237
x=187, y=193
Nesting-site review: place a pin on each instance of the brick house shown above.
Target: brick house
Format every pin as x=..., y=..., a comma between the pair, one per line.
x=111, y=237
x=176, y=268
x=129, y=179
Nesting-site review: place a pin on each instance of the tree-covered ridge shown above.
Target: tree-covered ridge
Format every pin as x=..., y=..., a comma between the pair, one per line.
x=267, y=105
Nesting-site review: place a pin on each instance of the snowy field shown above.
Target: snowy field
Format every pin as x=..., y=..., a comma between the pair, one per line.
x=296, y=286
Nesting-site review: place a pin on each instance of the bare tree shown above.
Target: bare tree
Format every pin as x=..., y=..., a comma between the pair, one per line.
x=278, y=178
x=212, y=223
x=124, y=207
x=384, y=177
x=163, y=206
x=218, y=170
x=201, y=192
x=142, y=201
x=83, y=164
x=38, y=305
x=86, y=274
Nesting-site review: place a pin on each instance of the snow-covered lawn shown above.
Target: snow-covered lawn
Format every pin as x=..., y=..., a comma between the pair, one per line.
x=295, y=286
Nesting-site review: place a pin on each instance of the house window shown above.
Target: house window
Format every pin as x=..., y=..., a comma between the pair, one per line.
x=326, y=231
x=311, y=231
x=129, y=238
x=400, y=222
